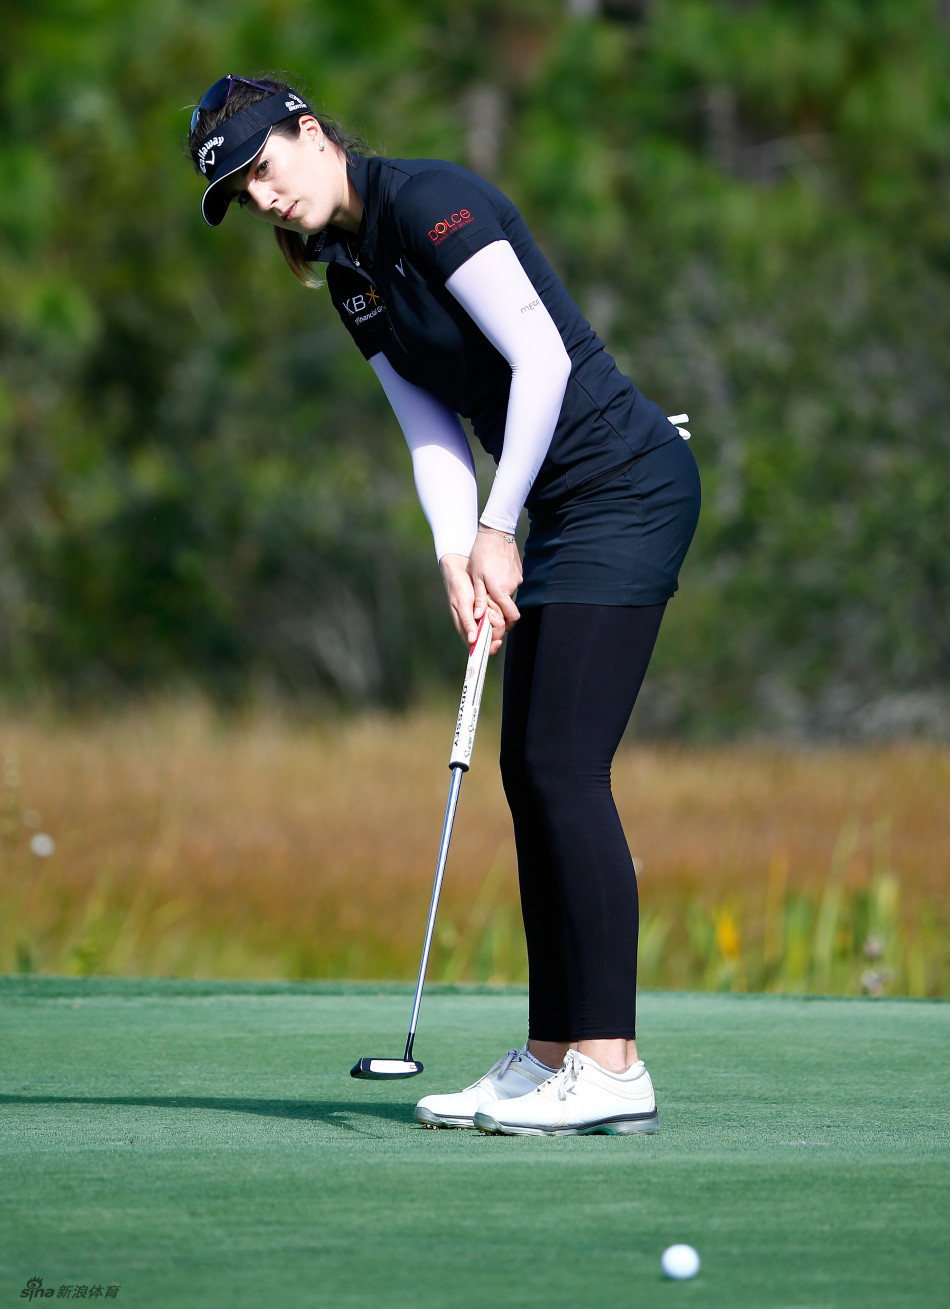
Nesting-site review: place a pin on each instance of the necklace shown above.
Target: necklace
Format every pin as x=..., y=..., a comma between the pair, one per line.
x=349, y=250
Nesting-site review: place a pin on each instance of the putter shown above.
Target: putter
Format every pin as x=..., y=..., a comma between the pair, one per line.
x=370, y=1067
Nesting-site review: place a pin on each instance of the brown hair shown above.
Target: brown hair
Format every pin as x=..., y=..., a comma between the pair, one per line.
x=292, y=245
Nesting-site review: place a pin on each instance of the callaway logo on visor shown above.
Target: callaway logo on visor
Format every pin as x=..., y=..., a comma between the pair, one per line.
x=206, y=155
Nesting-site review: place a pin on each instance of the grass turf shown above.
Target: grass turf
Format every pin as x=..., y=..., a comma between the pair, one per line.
x=202, y=1144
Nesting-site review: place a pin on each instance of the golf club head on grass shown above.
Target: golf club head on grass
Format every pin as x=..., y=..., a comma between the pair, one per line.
x=380, y=1069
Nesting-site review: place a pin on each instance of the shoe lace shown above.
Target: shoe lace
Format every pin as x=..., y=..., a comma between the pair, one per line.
x=566, y=1077
x=501, y=1067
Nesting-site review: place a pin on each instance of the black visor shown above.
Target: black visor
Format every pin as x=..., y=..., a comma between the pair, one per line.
x=236, y=143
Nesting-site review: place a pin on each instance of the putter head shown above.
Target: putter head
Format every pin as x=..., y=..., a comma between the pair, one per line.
x=380, y=1069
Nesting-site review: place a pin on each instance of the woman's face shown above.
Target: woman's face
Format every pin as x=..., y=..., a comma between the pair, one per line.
x=294, y=184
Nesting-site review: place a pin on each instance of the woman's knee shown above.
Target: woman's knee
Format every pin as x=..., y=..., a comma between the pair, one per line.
x=558, y=773
x=514, y=773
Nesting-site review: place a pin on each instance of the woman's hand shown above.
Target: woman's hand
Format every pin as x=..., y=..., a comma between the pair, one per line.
x=486, y=580
x=495, y=569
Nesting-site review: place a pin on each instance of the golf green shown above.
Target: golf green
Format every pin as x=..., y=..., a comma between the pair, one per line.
x=202, y=1144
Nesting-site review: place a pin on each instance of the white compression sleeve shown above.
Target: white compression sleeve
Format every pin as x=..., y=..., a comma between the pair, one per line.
x=496, y=292
x=442, y=462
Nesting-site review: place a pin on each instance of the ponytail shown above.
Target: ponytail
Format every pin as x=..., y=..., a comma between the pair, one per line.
x=293, y=248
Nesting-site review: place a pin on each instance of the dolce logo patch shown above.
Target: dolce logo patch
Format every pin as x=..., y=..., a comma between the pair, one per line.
x=206, y=155
x=447, y=226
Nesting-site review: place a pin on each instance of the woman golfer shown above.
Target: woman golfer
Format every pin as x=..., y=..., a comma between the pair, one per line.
x=438, y=281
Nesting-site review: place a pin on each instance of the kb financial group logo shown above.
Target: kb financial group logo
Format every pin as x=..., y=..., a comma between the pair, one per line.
x=35, y=1290
x=364, y=306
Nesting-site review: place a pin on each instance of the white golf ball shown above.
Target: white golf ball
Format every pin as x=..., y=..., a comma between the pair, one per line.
x=42, y=844
x=680, y=1262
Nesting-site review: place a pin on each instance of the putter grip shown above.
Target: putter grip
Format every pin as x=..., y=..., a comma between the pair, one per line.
x=471, y=696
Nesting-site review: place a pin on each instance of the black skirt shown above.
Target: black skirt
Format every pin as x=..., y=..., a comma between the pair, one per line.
x=619, y=543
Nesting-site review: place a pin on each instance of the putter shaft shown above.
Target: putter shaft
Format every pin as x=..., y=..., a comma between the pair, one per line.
x=458, y=762
x=450, y=808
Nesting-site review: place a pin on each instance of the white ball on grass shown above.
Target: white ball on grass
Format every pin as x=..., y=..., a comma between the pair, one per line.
x=42, y=845
x=680, y=1262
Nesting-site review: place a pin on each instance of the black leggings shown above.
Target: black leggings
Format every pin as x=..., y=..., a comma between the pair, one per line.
x=572, y=674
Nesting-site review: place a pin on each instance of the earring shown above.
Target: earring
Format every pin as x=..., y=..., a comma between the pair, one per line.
x=323, y=145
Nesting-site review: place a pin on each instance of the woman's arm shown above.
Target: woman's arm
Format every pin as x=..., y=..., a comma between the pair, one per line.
x=496, y=292
x=445, y=483
x=442, y=462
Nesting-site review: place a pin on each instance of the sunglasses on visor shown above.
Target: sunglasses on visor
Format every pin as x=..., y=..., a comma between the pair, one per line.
x=217, y=95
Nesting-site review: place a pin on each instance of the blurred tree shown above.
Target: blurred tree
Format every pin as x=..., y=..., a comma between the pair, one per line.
x=200, y=480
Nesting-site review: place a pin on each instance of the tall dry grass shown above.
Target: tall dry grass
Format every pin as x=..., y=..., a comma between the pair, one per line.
x=190, y=847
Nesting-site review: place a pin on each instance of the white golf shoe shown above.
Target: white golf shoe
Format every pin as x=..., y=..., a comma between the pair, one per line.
x=514, y=1075
x=580, y=1098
